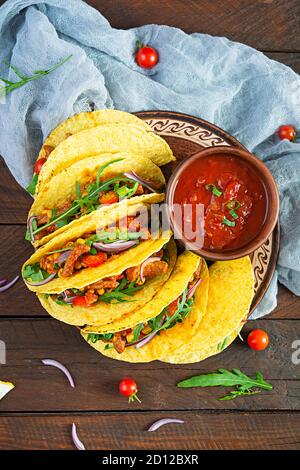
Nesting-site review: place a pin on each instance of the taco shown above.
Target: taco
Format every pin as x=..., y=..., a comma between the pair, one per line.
x=229, y=299
x=114, y=296
x=82, y=121
x=94, y=184
x=97, y=246
x=105, y=139
x=165, y=323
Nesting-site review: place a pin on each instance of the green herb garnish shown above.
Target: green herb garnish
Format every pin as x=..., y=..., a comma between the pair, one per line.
x=137, y=331
x=225, y=378
x=24, y=79
x=233, y=205
x=34, y=272
x=121, y=293
x=31, y=188
x=228, y=222
x=214, y=189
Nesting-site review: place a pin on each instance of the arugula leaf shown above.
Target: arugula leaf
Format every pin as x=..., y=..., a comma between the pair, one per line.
x=77, y=189
x=223, y=377
x=137, y=331
x=121, y=293
x=31, y=188
x=34, y=272
x=94, y=337
x=103, y=167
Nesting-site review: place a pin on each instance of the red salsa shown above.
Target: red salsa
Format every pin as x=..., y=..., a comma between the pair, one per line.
x=233, y=196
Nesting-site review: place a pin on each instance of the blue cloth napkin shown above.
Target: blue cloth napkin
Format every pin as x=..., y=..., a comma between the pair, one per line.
x=227, y=83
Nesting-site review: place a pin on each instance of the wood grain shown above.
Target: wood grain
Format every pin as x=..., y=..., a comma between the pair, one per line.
x=41, y=388
x=265, y=25
x=212, y=431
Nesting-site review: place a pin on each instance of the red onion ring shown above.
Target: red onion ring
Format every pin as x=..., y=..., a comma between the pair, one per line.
x=147, y=261
x=29, y=223
x=148, y=184
x=67, y=298
x=2, y=282
x=115, y=247
x=63, y=257
x=60, y=366
x=162, y=422
x=191, y=291
x=143, y=341
x=8, y=285
x=41, y=283
x=77, y=442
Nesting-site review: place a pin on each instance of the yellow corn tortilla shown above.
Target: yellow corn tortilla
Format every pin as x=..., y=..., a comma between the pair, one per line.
x=103, y=139
x=82, y=121
x=229, y=299
x=103, y=313
x=82, y=172
x=167, y=340
x=97, y=221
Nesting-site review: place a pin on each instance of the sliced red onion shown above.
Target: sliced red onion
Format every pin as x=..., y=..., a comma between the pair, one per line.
x=67, y=297
x=115, y=247
x=60, y=366
x=2, y=282
x=77, y=442
x=63, y=257
x=148, y=184
x=142, y=342
x=162, y=422
x=191, y=291
x=8, y=285
x=41, y=283
x=147, y=261
x=30, y=221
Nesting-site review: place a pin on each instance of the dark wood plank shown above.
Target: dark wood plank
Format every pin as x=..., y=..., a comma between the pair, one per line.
x=266, y=24
x=40, y=388
x=15, y=201
x=129, y=431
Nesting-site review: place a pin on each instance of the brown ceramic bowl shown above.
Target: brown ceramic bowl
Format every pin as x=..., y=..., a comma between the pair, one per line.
x=272, y=201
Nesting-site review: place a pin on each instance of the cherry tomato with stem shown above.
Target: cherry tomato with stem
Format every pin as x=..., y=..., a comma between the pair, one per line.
x=258, y=340
x=128, y=388
x=38, y=165
x=286, y=132
x=146, y=56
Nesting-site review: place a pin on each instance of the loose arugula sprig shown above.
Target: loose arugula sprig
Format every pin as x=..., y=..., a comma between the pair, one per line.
x=24, y=79
x=225, y=378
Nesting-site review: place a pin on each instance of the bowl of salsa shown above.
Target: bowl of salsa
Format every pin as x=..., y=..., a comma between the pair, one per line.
x=223, y=203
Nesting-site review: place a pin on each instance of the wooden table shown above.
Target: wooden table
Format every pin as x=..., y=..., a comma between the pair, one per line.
x=39, y=412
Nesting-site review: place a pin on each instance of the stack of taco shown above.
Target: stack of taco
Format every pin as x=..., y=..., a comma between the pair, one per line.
x=101, y=267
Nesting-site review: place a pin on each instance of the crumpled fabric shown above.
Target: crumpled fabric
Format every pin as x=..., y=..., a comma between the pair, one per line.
x=227, y=83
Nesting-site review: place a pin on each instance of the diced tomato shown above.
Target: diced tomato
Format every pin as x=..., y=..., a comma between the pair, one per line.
x=109, y=198
x=232, y=190
x=38, y=165
x=92, y=261
x=79, y=301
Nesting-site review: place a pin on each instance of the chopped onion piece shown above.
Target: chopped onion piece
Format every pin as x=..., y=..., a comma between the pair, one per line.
x=41, y=283
x=8, y=285
x=147, y=261
x=148, y=184
x=162, y=422
x=191, y=291
x=115, y=247
x=30, y=221
x=60, y=366
x=77, y=442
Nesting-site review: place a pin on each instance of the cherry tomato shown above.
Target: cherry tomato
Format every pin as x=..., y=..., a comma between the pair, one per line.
x=109, y=198
x=80, y=301
x=286, y=132
x=146, y=57
x=92, y=261
x=258, y=340
x=128, y=388
x=38, y=165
